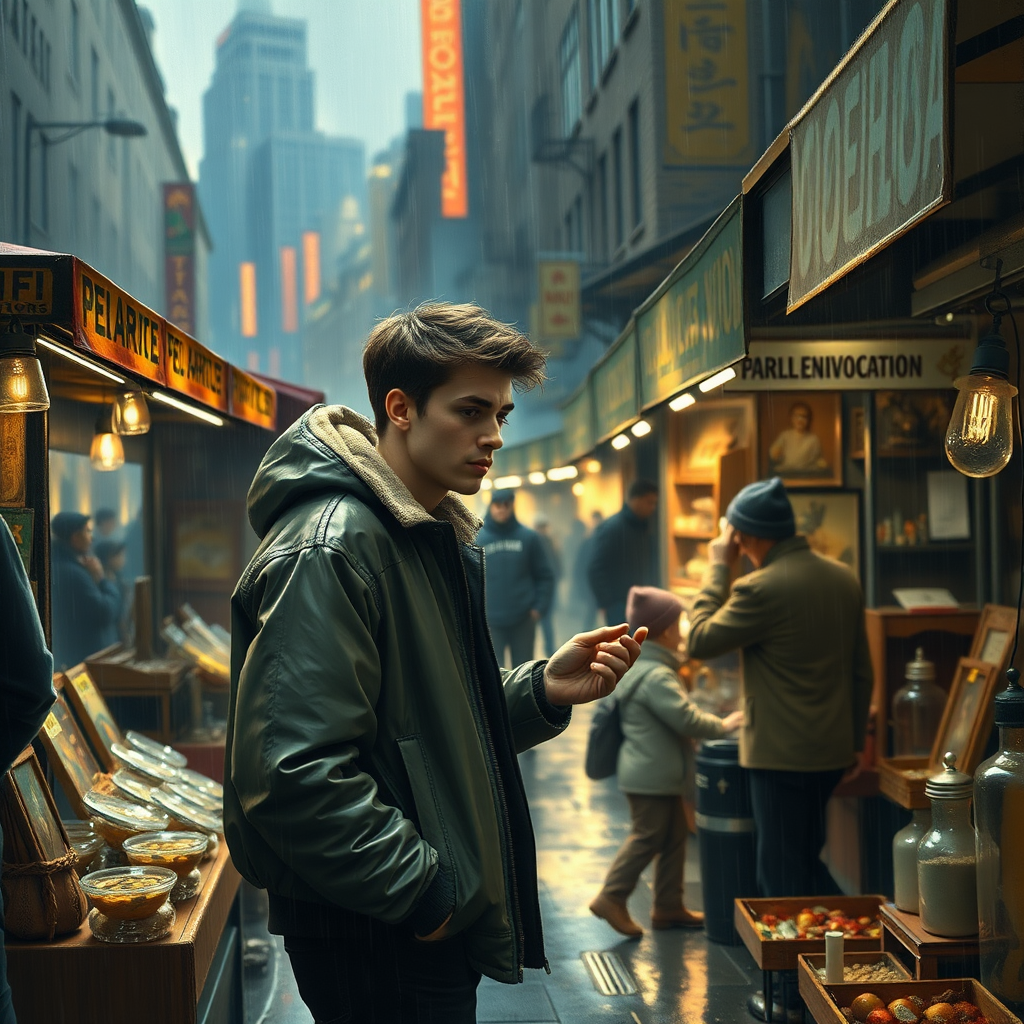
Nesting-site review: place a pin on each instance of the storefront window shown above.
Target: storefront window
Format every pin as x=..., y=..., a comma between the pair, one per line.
x=97, y=551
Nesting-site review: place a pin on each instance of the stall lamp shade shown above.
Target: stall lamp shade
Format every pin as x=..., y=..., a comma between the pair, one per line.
x=22, y=386
x=131, y=413
x=620, y=441
x=979, y=439
x=641, y=428
x=106, y=453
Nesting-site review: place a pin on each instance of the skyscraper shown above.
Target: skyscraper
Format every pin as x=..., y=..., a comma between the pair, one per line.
x=281, y=195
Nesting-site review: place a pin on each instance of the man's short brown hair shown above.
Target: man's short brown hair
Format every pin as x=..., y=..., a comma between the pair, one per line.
x=419, y=351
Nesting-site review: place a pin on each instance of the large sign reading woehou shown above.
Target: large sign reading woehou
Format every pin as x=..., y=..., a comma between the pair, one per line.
x=851, y=365
x=871, y=153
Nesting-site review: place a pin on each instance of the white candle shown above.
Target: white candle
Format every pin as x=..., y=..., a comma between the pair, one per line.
x=833, y=958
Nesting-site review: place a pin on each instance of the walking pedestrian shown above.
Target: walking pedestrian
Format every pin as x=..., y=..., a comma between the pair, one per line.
x=581, y=594
x=521, y=579
x=628, y=540
x=798, y=620
x=542, y=525
x=656, y=767
x=26, y=690
x=372, y=783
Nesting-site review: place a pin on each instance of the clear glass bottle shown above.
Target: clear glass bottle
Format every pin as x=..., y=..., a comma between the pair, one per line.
x=904, y=859
x=999, y=813
x=946, y=857
x=917, y=709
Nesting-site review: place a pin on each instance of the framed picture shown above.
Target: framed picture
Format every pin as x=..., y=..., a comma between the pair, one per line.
x=69, y=755
x=911, y=423
x=92, y=713
x=710, y=430
x=967, y=720
x=801, y=437
x=993, y=638
x=206, y=545
x=830, y=520
x=32, y=800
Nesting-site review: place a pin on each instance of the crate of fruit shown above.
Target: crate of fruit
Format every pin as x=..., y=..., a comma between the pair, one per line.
x=868, y=968
x=945, y=1001
x=777, y=931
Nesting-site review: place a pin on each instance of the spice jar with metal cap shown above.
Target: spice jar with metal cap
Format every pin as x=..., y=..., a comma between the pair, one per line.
x=999, y=813
x=917, y=709
x=946, y=858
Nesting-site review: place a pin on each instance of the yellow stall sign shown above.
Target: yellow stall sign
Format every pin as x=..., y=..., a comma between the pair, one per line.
x=194, y=370
x=26, y=291
x=252, y=400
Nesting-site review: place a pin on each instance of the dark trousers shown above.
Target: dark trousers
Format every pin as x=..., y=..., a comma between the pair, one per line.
x=6, y=1004
x=789, y=813
x=518, y=638
x=372, y=973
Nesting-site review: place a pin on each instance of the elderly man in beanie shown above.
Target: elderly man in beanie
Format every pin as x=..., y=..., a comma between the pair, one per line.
x=798, y=620
x=520, y=578
x=86, y=605
x=655, y=764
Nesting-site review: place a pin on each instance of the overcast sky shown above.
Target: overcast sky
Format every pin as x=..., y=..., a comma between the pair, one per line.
x=365, y=53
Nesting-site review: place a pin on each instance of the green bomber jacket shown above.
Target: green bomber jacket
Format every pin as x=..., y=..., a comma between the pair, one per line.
x=371, y=743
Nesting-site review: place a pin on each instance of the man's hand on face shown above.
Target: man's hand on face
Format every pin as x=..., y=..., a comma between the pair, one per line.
x=535, y=615
x=724, y=549
x=92, y=566
x=591, y=664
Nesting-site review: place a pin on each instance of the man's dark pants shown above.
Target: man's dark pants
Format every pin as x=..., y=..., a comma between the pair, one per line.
x=518, y=638
x=789, y=815
x=369, y=972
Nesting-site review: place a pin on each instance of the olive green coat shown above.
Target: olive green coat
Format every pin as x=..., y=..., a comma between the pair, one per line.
x=658, y=724
x=806, y=681
x=370, y=734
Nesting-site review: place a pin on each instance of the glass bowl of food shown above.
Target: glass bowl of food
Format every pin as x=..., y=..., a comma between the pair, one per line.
x=202, y=782
x=133, y=786
x=179, y=851
x=85, y=842
x=116, y=819
x=199, y=797
x=142, y=764
x=186, y=816
x=155, y=749
x=130, y=904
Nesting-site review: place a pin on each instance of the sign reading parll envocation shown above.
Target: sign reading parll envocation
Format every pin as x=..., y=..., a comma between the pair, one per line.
x=871, y=154
x=692, y=326
x=109, y=322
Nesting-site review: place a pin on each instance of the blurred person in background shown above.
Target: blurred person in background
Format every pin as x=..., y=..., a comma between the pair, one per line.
x=623, y=551
x=26, y=689
x=656, y=767
x=542, y=525
x=112, y=555
x=105, y=523
x=581, y=595
x=86, y=606
x=520, y=579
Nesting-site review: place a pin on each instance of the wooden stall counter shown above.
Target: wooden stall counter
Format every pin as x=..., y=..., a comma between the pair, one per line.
x=932, y=956
x=190, y=976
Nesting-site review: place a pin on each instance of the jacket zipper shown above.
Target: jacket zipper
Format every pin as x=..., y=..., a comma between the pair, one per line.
x=498, y=784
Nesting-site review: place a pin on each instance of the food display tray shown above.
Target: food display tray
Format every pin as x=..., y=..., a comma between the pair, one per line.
x=808, y=965
x=824, y=1001
x=781, y=954
x=902, y=780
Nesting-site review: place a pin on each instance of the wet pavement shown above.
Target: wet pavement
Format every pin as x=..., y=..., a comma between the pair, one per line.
x=680, y=977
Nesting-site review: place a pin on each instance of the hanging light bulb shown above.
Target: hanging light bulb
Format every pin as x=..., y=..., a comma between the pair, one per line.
x=131, y=412
x=979, y=439
x=106, y=452
x=22, y=386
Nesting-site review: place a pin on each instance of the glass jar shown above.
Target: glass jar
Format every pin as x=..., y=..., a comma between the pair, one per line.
x=904, y=860
x=946, y=857
x=999, y=812
x=917, y=709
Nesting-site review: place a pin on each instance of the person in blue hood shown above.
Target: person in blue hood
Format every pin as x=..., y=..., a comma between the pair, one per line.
x=371, y=780
x=520, y=578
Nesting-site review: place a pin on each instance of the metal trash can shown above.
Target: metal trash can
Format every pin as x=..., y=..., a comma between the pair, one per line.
x=725, y=830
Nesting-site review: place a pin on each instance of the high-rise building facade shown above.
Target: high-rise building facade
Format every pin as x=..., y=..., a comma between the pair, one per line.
x=284, y=199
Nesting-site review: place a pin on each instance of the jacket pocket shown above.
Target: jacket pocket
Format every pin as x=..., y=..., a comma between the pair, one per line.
x=428, y=810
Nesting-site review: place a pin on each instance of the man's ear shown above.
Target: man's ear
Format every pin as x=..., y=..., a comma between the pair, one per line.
x=400, y=408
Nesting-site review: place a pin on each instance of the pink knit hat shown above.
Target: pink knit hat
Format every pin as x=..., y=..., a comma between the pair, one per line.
x=652, y=607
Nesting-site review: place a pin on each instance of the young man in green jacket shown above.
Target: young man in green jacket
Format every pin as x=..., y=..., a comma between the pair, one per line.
x=798, y=620
x=372, y=782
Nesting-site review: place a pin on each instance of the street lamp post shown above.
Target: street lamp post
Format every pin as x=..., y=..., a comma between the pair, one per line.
x=112, y=126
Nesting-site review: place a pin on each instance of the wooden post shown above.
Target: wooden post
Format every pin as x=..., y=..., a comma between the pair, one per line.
x=143, y=619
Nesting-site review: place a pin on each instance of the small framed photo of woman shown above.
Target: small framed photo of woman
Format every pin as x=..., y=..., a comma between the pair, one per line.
x=801, y=437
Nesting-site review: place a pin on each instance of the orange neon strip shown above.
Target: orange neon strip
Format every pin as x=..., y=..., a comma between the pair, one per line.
x=311, y=266
x=247, y=298
x=289, y=290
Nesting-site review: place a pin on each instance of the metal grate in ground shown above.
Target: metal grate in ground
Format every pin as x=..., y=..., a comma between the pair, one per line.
x=609, y=974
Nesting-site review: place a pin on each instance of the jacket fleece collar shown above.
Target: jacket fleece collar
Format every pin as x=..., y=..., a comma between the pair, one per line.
x=352, y=438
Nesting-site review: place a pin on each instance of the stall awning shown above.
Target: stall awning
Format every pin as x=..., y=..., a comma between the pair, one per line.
x=94, y=316
x=616, y=392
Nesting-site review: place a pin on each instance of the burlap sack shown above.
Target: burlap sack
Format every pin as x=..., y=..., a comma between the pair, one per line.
x=42, y=898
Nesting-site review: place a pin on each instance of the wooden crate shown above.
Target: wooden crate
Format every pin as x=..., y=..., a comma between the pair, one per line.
x=781, y=954
x=810, y=963
x=824, y=1001
x=902, y=780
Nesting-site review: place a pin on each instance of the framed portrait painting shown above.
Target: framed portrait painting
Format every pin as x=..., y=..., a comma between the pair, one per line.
x=801, y=437
x=830, y=520
x=32, y=795
x=967, y=720
x=89, y=707
x=911, y=424
x=69, y=755
x=994, y=636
